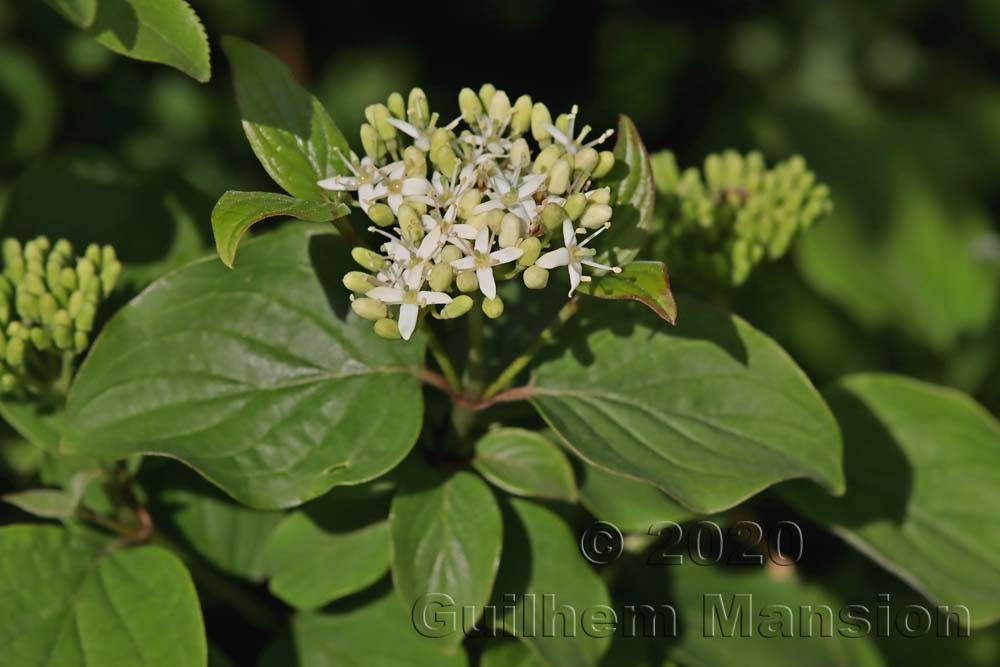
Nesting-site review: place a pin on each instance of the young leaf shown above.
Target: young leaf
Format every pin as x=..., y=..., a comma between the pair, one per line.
x=300, y=559
x=525, y=463
x=260, y=378
x=645, y=282
x=446, y=537
x=54, y=503
x=92, y=605
x=634, y=195
x=628, y=503
x=236, y=212
x=289, y=130
x=42, y=428
x=158, y=31
x=711, y=411
x=541, y=556
x=923, y=476
x=80, y=12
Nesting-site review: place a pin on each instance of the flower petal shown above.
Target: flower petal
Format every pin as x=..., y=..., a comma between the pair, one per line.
x=433, y=298
x=575, y=273
x=467, y=232
x=505, y=255
x=408, y=319
x=464, y=264
x=569, y=234
x=487, y=285
x=483, y=240
x=551, y=260
x=339, y=183
x=386, y=294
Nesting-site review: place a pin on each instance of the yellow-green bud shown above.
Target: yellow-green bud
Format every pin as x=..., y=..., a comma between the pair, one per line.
x=450, y=253
x=586, y=160
x=559, y=176
x=531, y=248
x=357, y=281
x=84, y=320
x=469, y=200
x=35, y=284
x=370, y=141
x=416, y=163
x=378, y=115
x=368, y=259
x=27, y=305
x=520, y=120
x=552, y=216
x=8, y=382
x=445, y=159
x=47, y=307
x=500, y=108
x=76, y=300
x=441, y=276
x=467, y=281
x=417, y=110
x=595, y=216
x=67, y=278
x=547, y=158
x=493, y=219
x=562, y=123
x=396, y=105
x=519, y=153
x=387, y=328
x=575, y=204
x=93, y=253
x=381, y=215
x=40, y=338
x=535, y=277
x=370, y=309
x=540, y=117
x=409, y=223
x=11, y=250
x=80, y=341
x=510, y=230
x=599, y=196
x=486, y=92
x=470, y=105
x=493, y=307
x=15, y=352
x=604, y=164
x=440, y=137
x=459, y=306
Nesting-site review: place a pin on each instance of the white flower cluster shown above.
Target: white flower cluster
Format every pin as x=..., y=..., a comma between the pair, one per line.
x=462, y=205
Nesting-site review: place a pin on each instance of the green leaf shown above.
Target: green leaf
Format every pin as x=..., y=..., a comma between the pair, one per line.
x=52, y=503
x=446, y=537
x=525, y=463
x=923, y=478
x=40, y=427
x=507, y=653
x=260, y=378
x=711, y=411
x=378, y=634
x=30, y=106
x=631, y=505
x=157, y=31
x=91, y=606
x=310, y=567
x=289, y=130
x=80, y=12
x=236, y=212
x=632, y=184
x=713, y=595
x=645, y=282
x=541, y=556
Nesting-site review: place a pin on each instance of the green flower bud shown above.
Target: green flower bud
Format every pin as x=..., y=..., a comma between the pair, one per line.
x=574, y=205
x=370, y=309
x=8, y=383
x=84, y=320
x=531, y=248
x=6, y=288
x=470, y=105
x=85, y=270
x=535, y=277
x=599, y=196
x=467, y=281
x=80, y=341
x=397, y=106
x=606, y=160
x=459, y=306
x=4, y=312
x=469, y=200
x=15, y=352
x=493, y=308
x=499, y=108
x=440, y=137
x=108, y=255
x=493, y=219
x=450, y=253
x=559, y=176
x=445, y=159
x=378, y=115
x=386, y=328
x=417, y=110
x=547, y=158
x=540, y=117
x=381, y=215
x=67, y=279
x=412, y=230
x=40, y=338
x=368, y=259
x=520, y=120
x=34, y=284
x=33, y=252
x=63, y=248
x=552, y=217
x=357, y=281
x=595, y=216
x=416, y=163
x=93, y=253
x=27, y=305
x=441, y=276
x=510, y=231
x=47, y=307
x=562, y=123
x=11, y=250
x=486, y=92
x=76, y=300
x=370, y=142
x=586, y=160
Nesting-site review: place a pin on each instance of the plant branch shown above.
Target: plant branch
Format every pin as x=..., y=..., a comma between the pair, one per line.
x=443, y=360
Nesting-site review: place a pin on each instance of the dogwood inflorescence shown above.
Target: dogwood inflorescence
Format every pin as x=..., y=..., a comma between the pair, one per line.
x=461, y=205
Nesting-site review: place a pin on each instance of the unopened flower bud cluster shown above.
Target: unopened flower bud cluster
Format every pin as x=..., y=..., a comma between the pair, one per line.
x=49, y=299
x=463, y=204
x=721, y=222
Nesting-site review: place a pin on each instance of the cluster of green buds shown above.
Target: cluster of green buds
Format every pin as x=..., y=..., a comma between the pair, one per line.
x=461, y=205
x=49, y=299
x=721, y=222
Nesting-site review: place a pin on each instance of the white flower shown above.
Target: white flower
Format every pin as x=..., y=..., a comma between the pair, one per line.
x=515, y=195
x=414, y=262
x=365, y=176
x=483, y=261
x=394, y=187
x=566, y=138
x=421, y=136
x=451, y=232
x=410, y=302
x=574, y=256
